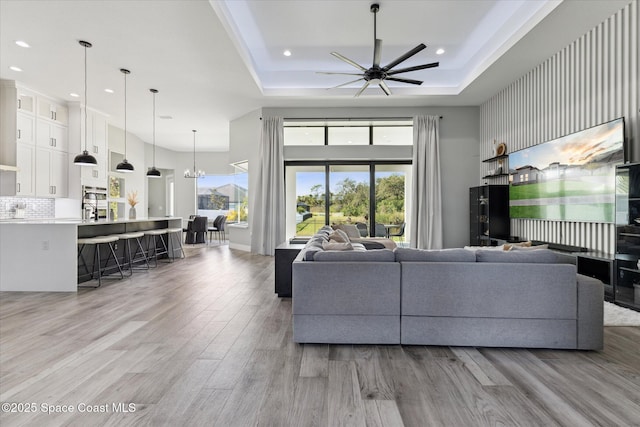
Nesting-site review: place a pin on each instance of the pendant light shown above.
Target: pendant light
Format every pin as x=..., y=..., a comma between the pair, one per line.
x=196, y=173
x=124, y=165
x=153, y=172
x=85, y=159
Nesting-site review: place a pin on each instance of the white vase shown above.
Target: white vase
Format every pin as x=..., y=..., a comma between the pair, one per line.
x=132, y=213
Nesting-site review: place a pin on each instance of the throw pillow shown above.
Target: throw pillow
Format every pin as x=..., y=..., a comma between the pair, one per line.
x=339, y=236
x=487, y=248
x=517, y=245
x=349, y=229
x=337, y=246
x=530, y=248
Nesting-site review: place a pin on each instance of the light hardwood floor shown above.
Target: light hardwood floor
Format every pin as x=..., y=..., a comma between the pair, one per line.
x=205, y=341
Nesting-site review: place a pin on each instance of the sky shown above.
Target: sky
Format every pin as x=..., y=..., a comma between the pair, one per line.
x=575, y=149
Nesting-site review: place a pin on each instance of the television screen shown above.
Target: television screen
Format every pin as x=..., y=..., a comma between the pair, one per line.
x=571, y=178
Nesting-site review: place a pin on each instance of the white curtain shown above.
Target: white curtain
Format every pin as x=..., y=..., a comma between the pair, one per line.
x=268, y=216
x=426, y=209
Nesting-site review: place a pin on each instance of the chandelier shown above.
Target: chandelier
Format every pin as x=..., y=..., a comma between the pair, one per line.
x=196, y=172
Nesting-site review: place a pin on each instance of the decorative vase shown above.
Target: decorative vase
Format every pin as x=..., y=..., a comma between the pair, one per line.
x=132, y=213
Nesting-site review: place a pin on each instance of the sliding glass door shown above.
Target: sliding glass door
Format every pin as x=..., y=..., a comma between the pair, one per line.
x=392, y=187
x=349, y=194
x=306, y=200
x=370, y=195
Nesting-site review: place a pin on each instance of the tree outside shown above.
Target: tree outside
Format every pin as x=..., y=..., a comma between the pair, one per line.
x=350, y=203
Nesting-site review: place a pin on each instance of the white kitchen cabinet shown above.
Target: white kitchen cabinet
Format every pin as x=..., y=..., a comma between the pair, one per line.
x=52, y=177
x=51, y=135
x=26, y=101
x=25, y=128
x=53, y=111
x=25, y=158
x=33, y=143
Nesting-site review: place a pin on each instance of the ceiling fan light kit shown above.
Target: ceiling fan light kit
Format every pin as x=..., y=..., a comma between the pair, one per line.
x=377, y=74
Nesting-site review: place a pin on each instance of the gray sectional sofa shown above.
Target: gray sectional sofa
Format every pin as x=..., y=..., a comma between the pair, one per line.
x=452, y=297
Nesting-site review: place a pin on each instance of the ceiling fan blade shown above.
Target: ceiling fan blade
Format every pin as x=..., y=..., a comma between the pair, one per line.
x=345, y=84
x=416, y=68
x=406, y=56
x=342, y=74
x=348, y=61
x=377, y=52
x=384, y=87
x=366, y=85
x=410, y=81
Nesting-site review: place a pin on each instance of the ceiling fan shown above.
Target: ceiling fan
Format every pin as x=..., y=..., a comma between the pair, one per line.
x=377, y=74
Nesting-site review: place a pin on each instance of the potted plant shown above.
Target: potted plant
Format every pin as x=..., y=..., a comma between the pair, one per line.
x=132, y=199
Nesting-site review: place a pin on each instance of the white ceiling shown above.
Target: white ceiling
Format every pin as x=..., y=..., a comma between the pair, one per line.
x=213, y=61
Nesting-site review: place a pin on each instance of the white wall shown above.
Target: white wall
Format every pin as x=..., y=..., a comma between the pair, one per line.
x=244, y=134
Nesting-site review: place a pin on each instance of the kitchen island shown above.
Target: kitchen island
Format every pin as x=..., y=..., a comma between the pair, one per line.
x=42, y=255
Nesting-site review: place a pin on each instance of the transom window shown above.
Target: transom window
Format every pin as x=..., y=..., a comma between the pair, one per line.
x=348, y=132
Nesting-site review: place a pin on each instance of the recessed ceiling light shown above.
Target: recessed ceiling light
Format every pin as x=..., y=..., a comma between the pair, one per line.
x=14, y=68
x=440, y=51
x=22, y=43
x=75, y=95
x=287, y=52
x=109, y=90
x=349, y=142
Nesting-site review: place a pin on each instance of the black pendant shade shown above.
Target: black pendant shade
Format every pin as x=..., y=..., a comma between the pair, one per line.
x=124, y=165
x=85, y=159
x=153, y=172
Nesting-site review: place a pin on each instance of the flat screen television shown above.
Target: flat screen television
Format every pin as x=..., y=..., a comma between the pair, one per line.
x=571, y=178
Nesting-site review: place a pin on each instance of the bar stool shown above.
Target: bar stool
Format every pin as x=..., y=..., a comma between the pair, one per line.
x=170, y=241
x=153, y=235
x=129, y=258
x=97, y=241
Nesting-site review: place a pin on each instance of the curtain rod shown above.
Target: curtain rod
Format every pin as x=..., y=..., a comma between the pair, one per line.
x=348, y=119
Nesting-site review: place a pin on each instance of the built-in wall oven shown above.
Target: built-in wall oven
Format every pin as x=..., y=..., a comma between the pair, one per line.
x=94, y=202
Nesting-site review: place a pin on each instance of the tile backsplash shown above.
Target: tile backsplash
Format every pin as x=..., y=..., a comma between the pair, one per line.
x=34, y=208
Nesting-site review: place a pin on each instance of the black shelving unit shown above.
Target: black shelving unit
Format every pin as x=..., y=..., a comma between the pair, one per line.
x=488, y=215
x=627, y=258
x=501, y=160
x=491, y=159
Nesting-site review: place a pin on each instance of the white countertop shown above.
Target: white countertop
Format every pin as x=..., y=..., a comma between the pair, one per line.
x=77, y=221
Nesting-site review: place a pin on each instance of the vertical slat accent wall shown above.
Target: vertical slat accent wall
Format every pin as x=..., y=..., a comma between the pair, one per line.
x=593, y=80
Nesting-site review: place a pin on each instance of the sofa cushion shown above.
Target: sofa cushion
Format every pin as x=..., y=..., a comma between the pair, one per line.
x=374, y=255
x=441, y=255
x=540, y=256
